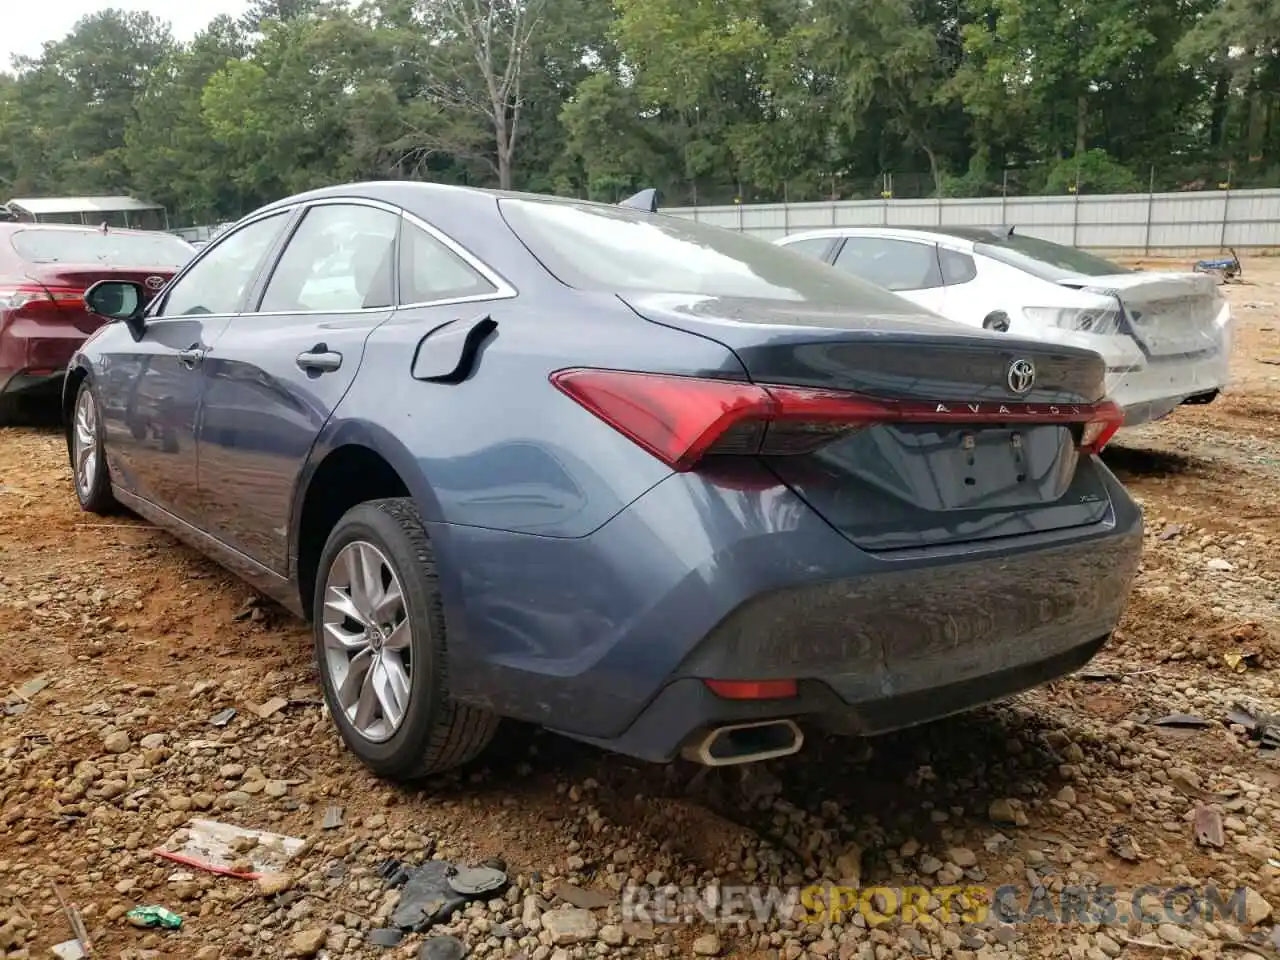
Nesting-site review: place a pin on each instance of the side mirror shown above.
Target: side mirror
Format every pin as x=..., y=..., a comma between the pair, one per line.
x=117, y=300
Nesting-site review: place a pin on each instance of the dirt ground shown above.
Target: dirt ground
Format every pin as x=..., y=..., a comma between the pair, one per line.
x=141, y=642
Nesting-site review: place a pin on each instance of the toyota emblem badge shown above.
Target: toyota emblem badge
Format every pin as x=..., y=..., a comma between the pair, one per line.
x=1022, y=376
x=153, y=283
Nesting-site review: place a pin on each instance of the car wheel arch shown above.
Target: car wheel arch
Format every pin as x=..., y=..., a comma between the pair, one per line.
x=76, y=374
x=349, y=465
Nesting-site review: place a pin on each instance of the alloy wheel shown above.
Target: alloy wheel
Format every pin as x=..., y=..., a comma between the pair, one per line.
x=85, y=443
x=368, y=641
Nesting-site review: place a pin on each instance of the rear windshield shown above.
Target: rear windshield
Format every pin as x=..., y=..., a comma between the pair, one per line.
x=93, y=246
x=617, y=250
x=1046, y=260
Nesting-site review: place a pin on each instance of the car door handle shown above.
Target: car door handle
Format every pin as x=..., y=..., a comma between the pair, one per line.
x=191, y=356
x=319, y=359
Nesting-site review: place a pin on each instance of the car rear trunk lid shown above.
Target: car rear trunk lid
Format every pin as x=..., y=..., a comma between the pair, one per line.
x=1169, y=314
x=900, y=485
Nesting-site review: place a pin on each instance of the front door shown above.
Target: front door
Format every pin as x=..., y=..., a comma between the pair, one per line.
x=282, y=367
x=150, y=390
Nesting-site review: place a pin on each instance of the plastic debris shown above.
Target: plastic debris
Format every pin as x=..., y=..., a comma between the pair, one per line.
x=69, y=950
x=1208, y=827
x=474, y=881
x=1240, y=662
x=435, y=890
x=1260, y=726
x=1182, y=721
x=222, y=717
x=152, y=917
x=218, y=847
x=332, y=818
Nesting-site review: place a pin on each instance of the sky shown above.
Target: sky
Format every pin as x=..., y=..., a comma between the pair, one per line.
x=24, y=35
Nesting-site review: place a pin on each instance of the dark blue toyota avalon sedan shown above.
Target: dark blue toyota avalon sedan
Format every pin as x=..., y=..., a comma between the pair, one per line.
x=648, y=483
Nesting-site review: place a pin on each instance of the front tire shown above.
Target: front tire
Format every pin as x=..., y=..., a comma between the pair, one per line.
x=380, y=646
x=88, y=454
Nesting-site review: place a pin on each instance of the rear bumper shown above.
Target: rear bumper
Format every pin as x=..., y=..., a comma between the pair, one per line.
x=34, y=356
x=607, y=637
x=686, y=709
x=1157, y=389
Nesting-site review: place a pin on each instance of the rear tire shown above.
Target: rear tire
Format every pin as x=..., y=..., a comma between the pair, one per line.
x=88, y=454
x=380, y=646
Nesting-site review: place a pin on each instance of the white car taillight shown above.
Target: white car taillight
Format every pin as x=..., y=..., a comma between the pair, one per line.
x=1087, y=320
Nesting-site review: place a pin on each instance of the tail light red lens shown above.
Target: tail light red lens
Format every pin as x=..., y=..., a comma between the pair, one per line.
x=1097, y=432
x=681, y=419
x=32, y=298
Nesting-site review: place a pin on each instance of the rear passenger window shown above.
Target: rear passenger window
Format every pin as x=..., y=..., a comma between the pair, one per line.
x=430, y=271
x=957, y=267
x=338, y=260
x=892, y=264
x=815, y=247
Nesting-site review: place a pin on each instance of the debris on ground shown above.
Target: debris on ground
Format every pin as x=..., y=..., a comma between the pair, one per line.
x=1257, y=725
x=226, y=849
x=434, y=890
x=1207, y=824
x=1121, y=843
x=154, y=917
x=69, y=950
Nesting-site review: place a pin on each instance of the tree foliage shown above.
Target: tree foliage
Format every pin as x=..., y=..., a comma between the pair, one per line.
x=709, y=100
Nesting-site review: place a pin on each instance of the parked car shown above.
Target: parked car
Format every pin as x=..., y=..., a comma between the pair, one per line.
x=648, y=483
x=1165, y=335
x=44, y=271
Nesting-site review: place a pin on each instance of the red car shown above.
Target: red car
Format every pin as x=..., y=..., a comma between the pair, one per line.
x=44, y=271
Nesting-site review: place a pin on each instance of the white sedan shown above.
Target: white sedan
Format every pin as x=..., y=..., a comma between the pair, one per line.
x=1165, y=336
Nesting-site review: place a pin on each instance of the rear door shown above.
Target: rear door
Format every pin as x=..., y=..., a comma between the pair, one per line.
x=281, y=368
x=150, y=390
x=909, y=268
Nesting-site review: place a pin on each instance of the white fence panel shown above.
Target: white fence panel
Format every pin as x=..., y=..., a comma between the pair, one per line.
x=1162, y=223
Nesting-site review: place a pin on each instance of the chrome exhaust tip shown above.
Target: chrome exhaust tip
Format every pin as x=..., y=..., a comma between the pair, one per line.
x=745, y=743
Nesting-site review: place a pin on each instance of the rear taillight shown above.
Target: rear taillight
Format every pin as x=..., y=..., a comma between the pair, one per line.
x=1101, y=427
x=680, y=420
x=34, y=297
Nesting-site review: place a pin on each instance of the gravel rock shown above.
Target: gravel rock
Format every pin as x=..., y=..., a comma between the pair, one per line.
x=307, y=943
x=569, y=926
x=707, y=945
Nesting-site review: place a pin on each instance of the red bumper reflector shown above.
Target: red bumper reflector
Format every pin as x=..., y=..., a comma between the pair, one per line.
x=752, y=689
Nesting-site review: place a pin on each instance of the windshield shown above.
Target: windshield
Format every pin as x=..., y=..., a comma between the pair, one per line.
x=616, y=249
x=93, y=246
x=1046, y=260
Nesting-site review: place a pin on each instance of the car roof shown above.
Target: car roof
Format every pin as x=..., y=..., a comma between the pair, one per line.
x=966, y=235
x=409, y=193
x=14, y=226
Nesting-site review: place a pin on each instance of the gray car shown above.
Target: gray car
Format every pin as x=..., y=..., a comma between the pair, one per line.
x=648, y=483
